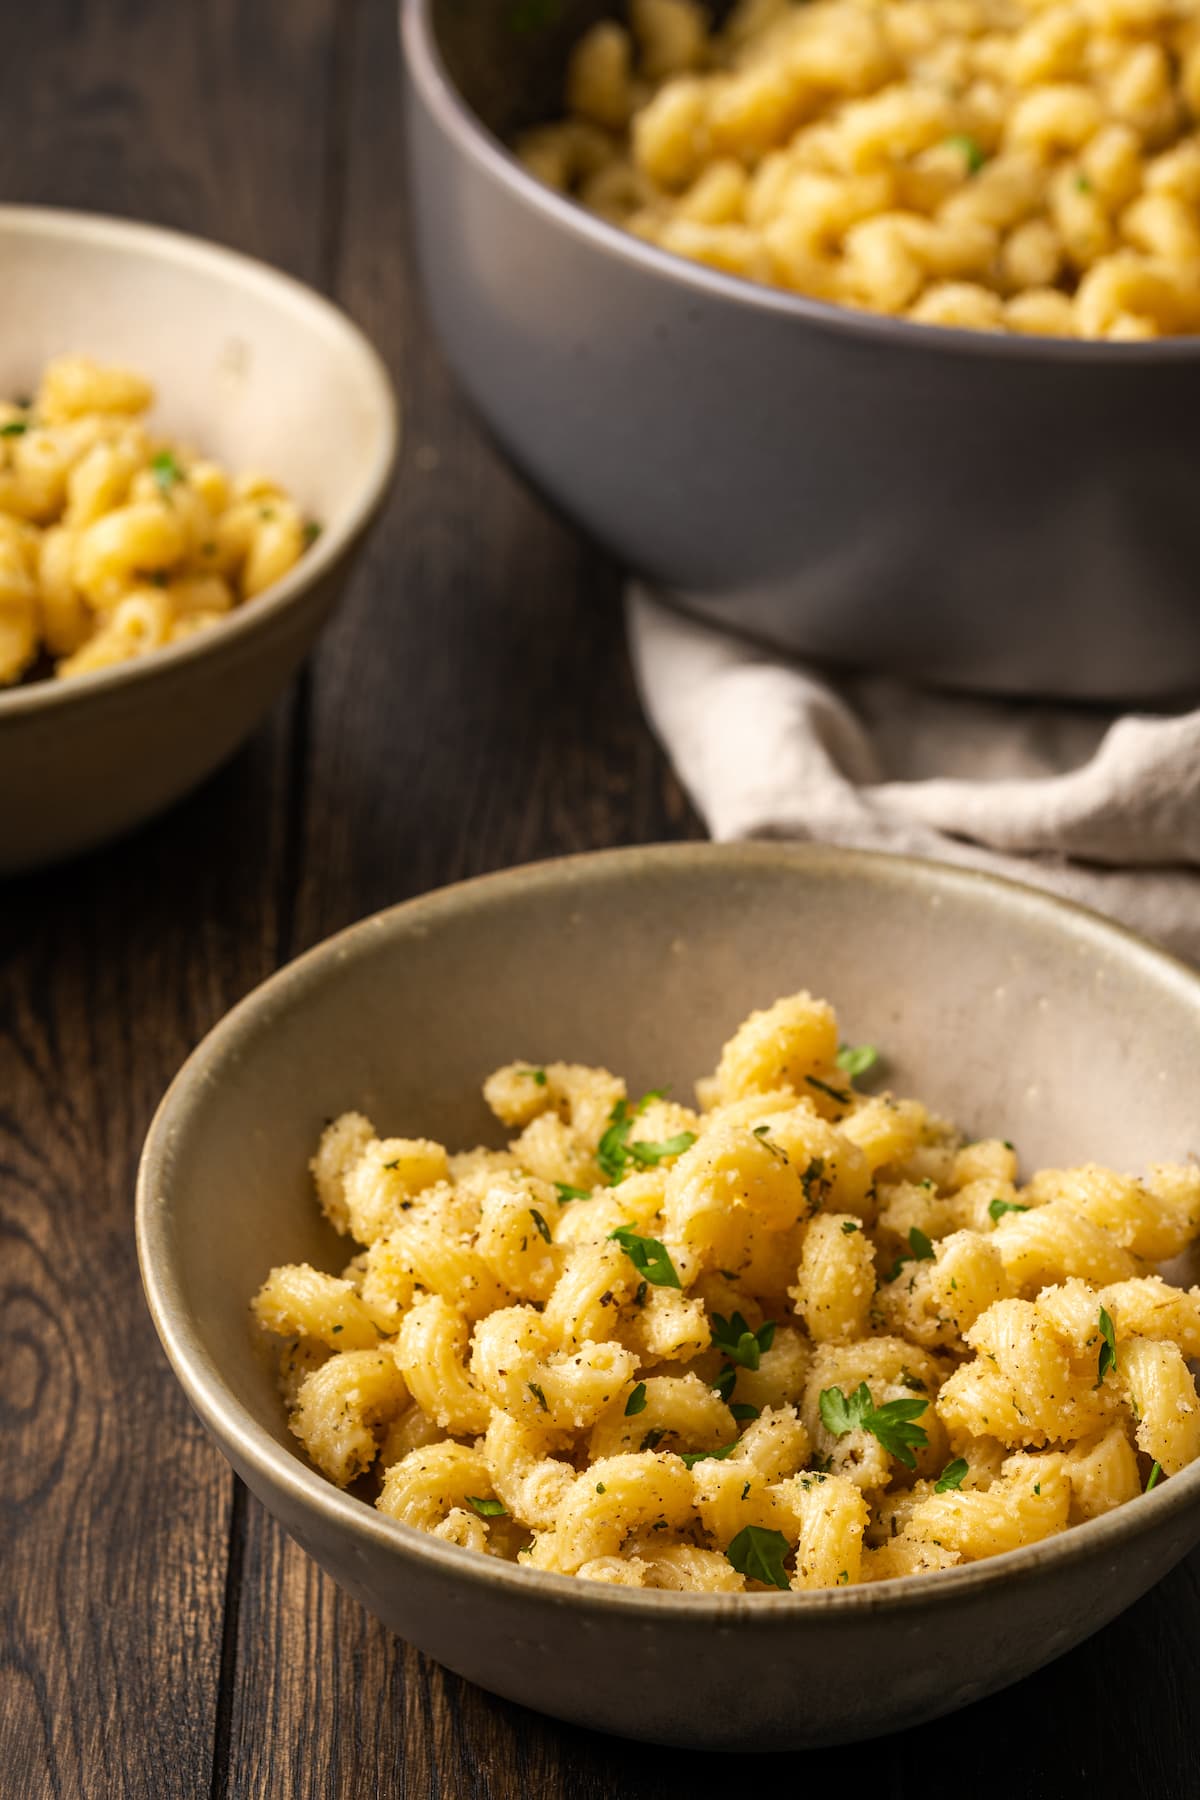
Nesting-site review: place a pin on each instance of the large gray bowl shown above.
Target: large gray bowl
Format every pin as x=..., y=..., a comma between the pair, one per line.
x=251, y=368
x=988, y=511
x=1010, y=1011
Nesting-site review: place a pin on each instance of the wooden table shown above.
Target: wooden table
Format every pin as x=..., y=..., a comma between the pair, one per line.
x=471, y=707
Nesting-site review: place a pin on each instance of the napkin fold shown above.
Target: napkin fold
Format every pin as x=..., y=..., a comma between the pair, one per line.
x=1098, y=805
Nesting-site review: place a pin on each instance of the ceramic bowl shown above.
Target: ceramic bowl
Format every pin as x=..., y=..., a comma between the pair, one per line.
x=1011, y=1012
x=253, y=369
x=969, y=508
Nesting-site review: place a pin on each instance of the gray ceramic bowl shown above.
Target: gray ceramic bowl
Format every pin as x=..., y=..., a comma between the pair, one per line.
x=250, y=367
x=993, y=512
x=1009, y=1011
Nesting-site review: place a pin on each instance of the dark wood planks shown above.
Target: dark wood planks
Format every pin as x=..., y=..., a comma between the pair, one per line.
x=116, y=1509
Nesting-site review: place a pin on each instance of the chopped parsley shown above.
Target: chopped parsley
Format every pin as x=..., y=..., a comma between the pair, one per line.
x=856, y=1059
x=723, y=1385
x=636, y=1402
x=652, y=1439
x=488, y=1509
x=998, y=1207
x=600, y=1489
x=640, y=1292
x=777, y=1150
x=758, y=1553
x=890, y=1423
x=567, y=1192
x=952, y=1475
x=166, y=471
x=538, y=1076
x=850, y=1226
x=739, y=1343
x=538, y=1395
x=692, y=1457
x=970, y=150
x=920, y=1249
x=1108, y=1349
x=742, y=1412
x=647, y=1154
x=14, y=428
x=813, y=1177
x=543, y=1229
x=832, y=1093
x=648, y=1256
x=1152, y=1479
x=336, y=1329
x=615, y=1150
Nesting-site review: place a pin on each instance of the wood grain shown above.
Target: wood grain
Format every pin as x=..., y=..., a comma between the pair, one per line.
x=471, y=707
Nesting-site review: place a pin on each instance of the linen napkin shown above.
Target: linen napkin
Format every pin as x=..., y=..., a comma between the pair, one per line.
x=1098, y=805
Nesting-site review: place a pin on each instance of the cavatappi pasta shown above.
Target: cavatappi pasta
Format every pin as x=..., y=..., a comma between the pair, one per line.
x=115, y=541
x=798, y=1336
x=1020, y=165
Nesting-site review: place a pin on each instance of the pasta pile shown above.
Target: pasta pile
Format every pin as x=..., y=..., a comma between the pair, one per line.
x=1021, y=165
x=114, y=541
x=801, y=1337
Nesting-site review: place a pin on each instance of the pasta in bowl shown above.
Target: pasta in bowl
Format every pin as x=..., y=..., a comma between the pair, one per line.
x=802, y=1338
x=1006, y=1011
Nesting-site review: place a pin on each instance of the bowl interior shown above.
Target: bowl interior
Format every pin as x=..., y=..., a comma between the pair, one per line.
x=250, y=367
x=1011, y=1013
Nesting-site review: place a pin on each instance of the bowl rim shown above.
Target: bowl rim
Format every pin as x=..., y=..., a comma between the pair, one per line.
x=242, y=1438
x=430, y=76
x=243, y=622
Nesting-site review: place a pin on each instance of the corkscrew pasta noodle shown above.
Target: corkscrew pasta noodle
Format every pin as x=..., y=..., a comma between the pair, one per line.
x=796, y=1336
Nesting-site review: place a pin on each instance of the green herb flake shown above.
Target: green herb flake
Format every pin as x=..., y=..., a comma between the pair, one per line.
x=640, y=1292
x=488, y=1509
x=723, y=1385
x=600, y=1488
x=758, y=1554
x=538, y=1395
x=543, y=1229
x=890, y=1423
x=920, y=1249
x=648, y=1256
x=566, y=1192
x=1108, y=1349
x=777, y=1150
x=537, y=1076
x=831, y=1093
x=647, y=1154
x=636, y=1402
x=970, y=150
x=652, y=1439
x=14, y=428
x=856, y=1059
x=742, y=1412
x=849, y=1227
x=951, y=1476
x=692, y=1457
x=1152, y=1480
x=166, y=471
x=998, y=1207
x=739, y=1343
x=336, y=1329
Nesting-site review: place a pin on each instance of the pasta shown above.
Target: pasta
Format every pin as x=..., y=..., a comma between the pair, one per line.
x=799, y=1336
x=1003, y=165
x=115, y=541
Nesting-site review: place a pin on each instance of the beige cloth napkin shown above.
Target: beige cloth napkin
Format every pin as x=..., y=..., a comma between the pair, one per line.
x=1100, y=806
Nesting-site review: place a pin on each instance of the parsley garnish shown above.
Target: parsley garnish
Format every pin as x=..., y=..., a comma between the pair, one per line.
x=920, y=1250
x=823, y=1087
x=777, y=1151
x=758, y=1554
x=856, y=1059
x=648, y=1256
x=998, y=1207
x=639, y=1293
x=692, y=1457
x=1153, y=1477
x=615, y=1150
x=394, y=1164
x=740, y=1344
x=567, y=1192
x=535, y=1075
x=813, y=1176
x=166, y=471
x=600, y=1488
x=337, y=1328
x=850, y=1226
x=542, y=1227
x=652, y=1439
x=890, y=1423
x=538, y=1395
x=742, y=1412
x=636, y=1402
x=723, y=1385
x=1108, y=1349
x=646, y=1154
x=489, y=1509
x=952, y=1475
x=971, y=151
x=14, y=428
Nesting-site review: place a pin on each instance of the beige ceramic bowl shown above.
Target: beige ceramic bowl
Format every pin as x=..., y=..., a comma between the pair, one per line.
x=1011, y=1012
x=253, y=369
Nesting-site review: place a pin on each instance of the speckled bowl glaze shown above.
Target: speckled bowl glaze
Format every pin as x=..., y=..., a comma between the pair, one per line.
x=1007, y=1010
x=251, y=368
